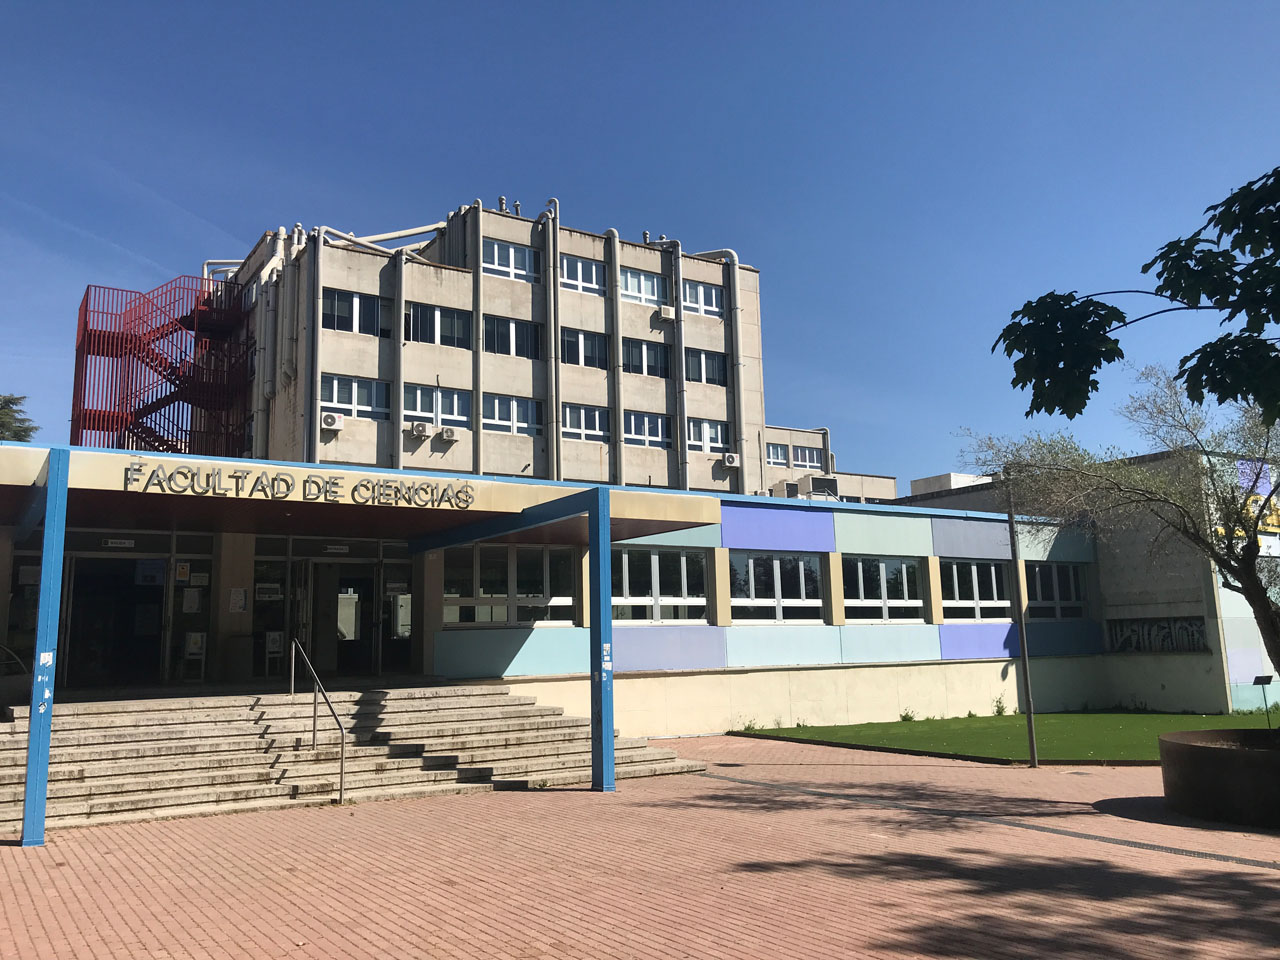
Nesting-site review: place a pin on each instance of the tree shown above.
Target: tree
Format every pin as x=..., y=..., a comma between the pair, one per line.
x=1208, y=485
x=14, y=423
x=1230, y=266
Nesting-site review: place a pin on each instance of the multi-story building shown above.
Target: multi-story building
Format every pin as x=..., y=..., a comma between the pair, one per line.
x=497, y=344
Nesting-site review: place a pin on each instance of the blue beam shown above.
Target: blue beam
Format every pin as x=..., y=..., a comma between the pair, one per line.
x=539, y=515
x=43, y=666
x=599, y=563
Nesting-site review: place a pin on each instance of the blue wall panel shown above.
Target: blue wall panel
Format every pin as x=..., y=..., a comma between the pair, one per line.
x=889, y=642
x=777, y=528
x=512, y=652
x=978, y=641
x=668, y=648
x=781, y=645
x=1064, y=638
x=979, y=539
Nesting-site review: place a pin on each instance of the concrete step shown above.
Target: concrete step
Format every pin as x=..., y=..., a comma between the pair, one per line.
x=562, y=778
x=132, y=783
x=142, y=767
x=143, y=750
x=408, y=718
x=214, y=808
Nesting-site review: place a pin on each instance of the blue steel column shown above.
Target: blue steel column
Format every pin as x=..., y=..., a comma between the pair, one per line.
x=40, y=724
x=600, y=546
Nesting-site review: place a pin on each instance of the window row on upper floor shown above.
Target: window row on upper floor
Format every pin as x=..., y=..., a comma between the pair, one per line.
x=517, y=262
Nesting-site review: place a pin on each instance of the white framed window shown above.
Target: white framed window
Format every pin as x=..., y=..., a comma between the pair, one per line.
x=437, y=405
x=585, y=276
x=646, y=357
x=424, y=323
x=775, y=586
x=512, y=338
x=507, y=585
x=706, y=366
x=1055, y=591
x=581, y=422
x=638, y=286
x=704, y=298
x=646, y=429
x=356, y=313
x=355, y=397
x=709, y=436
x=882, y=588
x=584, y=349
x=513, y=261
x=503, y=414
x=776, y=455
x=975, y=590
x=808, y=458
x=659, y=586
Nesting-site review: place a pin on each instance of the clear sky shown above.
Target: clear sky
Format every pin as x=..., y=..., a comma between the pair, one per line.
x=903, y=174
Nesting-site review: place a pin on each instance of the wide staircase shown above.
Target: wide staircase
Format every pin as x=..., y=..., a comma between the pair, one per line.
x=147, y=759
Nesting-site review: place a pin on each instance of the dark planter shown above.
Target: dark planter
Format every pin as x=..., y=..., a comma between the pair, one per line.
x=1231, y=776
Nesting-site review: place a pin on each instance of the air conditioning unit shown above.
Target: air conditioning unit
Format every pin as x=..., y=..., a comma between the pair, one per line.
x=819, y=487
x=449, y=434
x=332, y=421
x=666, y=313
x=418, y=429
x=732, y=460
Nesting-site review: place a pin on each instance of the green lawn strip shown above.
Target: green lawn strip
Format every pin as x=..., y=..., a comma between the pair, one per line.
x=1105, y=737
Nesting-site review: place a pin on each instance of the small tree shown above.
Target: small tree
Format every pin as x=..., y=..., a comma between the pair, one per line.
x=14, y=423
x=1209, y=485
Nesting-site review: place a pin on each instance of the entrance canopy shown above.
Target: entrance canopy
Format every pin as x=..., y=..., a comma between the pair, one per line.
x=152, y=491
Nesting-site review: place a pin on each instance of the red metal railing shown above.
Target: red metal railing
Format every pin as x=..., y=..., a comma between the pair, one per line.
x=167, y=370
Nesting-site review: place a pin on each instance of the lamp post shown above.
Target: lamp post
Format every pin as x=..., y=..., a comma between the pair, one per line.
x=1021, y=613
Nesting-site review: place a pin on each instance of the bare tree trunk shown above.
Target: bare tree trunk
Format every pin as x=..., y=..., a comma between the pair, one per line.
x=1265, y=613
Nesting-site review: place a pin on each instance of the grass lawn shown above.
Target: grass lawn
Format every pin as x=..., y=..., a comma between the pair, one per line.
x=1059, y=736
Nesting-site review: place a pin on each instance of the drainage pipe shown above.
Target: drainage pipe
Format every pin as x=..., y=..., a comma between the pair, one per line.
x=398, y=234
x=682, y=379
x=735, y=313
x=312, y=418
x=612, y=254
x=477, y=338
x=397, y=341
x=210, y=267
x=551, y=278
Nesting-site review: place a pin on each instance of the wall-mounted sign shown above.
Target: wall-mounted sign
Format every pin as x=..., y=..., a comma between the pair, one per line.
x=336, y=548
x=117, y=544
x=199, y=579
x=202, y=481
x=237, y=600
x=267, y=591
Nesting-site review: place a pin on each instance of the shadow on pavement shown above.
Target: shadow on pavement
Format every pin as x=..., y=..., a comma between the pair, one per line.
x=1039, y=906
x=1153, y=810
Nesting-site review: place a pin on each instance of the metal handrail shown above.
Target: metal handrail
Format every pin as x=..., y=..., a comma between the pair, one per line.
x=318, y=691
x=14, y=657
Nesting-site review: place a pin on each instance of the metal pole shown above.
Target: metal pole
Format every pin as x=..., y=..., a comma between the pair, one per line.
x=1021, y=613
x=293, y=665
x=315, y=712
x=1265, y=708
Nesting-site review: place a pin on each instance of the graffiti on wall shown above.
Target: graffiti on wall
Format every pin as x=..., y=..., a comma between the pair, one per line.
x=1157, y=635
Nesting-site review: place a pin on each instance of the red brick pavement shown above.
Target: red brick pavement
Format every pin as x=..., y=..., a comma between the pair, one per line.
x=883, y=856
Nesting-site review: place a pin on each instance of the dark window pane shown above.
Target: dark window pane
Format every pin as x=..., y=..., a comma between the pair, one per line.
x=893, y=584
x=695, y=574
x=1064, y=583
x=1045, y=576
x=789, y=570
x=812, y=572
x=852, y=587
x=560, y=568
x=739, y=582
x=911, y=576
x=615, y=574
x=871, y=580
x=762, y=570
x=640, y=573
x=529, y=572
x=669, y=578
x=459, y=578
x=493, y=571
x=948, y=572
x=569, y=347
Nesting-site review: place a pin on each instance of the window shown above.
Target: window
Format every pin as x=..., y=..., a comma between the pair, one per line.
x=512, y=338
x=512, y=415
x=641, y=287
x=354, y=397
x=646, y=357
x=974, y=590
x=585, y=423
x=706, y=366
x=807, y=457
x=510, y=260
x=1055, y=591
x=711, y=436
x=882, y=588
x=442, y=325
x=776, y=455
x=659, y=585
x=438, y=405
x=506, y=585
x=584, y=349
x=585, y=276
x=706, y=298
x=775, y=586
x=356, y=313
x=646, y=429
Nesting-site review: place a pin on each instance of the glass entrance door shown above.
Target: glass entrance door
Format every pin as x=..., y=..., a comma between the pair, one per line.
x=344, y=618
x=115, y=636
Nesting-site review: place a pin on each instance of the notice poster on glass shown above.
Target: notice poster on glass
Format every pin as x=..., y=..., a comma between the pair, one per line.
x=275, y=643
x=238, y=600
x=182, y=571
x=194, y=646
x=191, y=600
x=199, y=579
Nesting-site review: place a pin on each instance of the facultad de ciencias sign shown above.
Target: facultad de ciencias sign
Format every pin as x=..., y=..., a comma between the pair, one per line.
x=284, y=485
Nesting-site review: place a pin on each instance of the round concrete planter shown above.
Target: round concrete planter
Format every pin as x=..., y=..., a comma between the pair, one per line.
x=1231, y=776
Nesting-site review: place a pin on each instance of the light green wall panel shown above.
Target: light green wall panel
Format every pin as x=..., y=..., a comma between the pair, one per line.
x=884, y=535
x=707, y=536
x=1037, y=541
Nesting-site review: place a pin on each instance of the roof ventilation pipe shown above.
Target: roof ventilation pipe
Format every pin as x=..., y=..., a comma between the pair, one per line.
x=682, y=379
x=516, y=207
x=502, y=204
x=735, y=316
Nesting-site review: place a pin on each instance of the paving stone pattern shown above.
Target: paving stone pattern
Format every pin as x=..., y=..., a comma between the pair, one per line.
x=884, y=857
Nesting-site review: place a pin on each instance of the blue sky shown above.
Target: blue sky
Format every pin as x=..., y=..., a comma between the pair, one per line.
x=904, y=175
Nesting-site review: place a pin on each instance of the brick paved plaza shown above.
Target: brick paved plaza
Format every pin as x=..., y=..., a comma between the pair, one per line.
x=780, y=851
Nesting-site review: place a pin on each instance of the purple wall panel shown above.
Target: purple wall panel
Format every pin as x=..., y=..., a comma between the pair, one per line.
x=978, y=641
x=668, y=648
x=777, y=528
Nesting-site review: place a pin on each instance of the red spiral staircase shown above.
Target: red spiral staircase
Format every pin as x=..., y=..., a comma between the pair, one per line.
x=168, y=370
